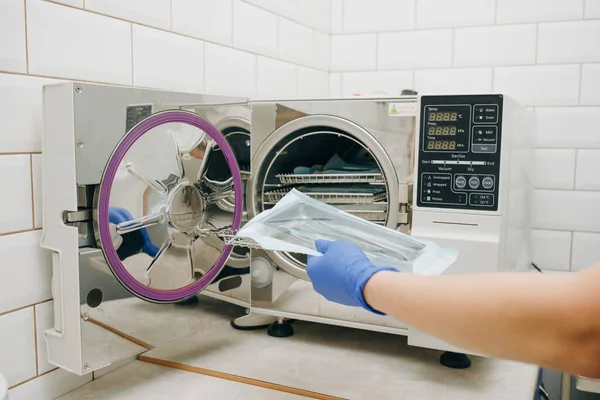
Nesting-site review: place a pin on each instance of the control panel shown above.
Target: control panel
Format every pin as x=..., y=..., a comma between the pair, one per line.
x=459, y=152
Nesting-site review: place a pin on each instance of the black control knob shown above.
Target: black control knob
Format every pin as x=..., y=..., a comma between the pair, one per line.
x=487, y=183
x=461, y=182
x=474, y=182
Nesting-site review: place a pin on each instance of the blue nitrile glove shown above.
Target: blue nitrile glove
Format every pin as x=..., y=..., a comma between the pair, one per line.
x=342, y=272
x=134, y=241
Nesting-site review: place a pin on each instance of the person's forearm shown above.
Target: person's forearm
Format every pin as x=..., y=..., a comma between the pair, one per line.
x=541, y=319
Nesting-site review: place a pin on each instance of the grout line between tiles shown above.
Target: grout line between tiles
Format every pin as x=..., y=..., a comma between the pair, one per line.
x=571, y=252
x=31, y=379
x=575, y=170
x=26, y=37
x=580, y=84
x=174, y=33
x=537, y=41
x=35, y=342
x=583, y=9
x=24, y=307
x=453, y=48
x=18, y=232
x=170, y=15
x=236, y=378
x=32, y=194
x=20, y=153
x=121, y=334
x=496, y=12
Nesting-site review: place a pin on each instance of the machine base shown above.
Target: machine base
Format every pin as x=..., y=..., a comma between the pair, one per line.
x=281, y=329
x=252, y=322
x=455, y=360
x=189, y=301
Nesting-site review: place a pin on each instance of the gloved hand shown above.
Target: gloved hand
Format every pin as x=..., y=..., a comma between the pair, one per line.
x=342, y=272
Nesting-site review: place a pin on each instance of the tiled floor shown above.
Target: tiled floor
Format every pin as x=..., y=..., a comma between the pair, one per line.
x=348, y=363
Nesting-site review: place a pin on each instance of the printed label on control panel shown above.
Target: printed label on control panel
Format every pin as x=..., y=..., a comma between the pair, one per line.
x=485, y=114
x=437, y=189
x=481, y=200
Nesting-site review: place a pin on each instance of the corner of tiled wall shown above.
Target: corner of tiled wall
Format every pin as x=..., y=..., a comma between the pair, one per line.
x=546, y=57
x=253, y=48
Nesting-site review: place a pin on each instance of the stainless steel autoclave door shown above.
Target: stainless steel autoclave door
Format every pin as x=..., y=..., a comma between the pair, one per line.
x=160, y=210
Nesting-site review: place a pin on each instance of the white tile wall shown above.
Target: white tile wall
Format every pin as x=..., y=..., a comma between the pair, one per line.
x=15, y=176
x=565, y=42
x=555, y=169
x=443, y=13
x=454, y=80
x=335, y=84
x=12, y=36
x=149, y=12
x=229, y=71
x=254, y=29
x=354, y=52
x=73, y=3
x=44, y=317
x=167, y=61
x=378, y=15
x=66, y=42
x=551, y=249
x=586, y=250
x=312, y=83
x=497, y=45
x=21, y=113
x=276, y=79
x=36, y=176
x=322, y=49
x=588, y=170
x=205, y=19
x=49, y=386
x=516, y=11
x=296, y=42
x=382, y=83
x=553, y=85
x=566, y=210
x=337, y=17
x=413, y=49
x=311, y=13
x=17, y=346
x=565, y=127
x=26, y=271
x=592, y=9
x=590, y=84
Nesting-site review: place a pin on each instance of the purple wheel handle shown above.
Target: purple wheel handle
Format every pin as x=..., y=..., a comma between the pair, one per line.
x=110, y=253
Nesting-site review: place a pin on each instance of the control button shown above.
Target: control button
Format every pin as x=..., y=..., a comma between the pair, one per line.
x=485, y=135
x=474, y=182
x=484, y=148
x=461, y=182
x=486, y=114
x=487, y=183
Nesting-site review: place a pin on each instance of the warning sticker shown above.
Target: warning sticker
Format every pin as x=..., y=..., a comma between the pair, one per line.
x=402, y=109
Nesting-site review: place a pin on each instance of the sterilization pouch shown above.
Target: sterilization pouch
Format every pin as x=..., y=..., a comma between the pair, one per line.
x=297, y=221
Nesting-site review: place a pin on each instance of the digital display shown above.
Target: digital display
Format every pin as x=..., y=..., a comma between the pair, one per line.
x=441, y=145
x=441, y=131
x=443, y=116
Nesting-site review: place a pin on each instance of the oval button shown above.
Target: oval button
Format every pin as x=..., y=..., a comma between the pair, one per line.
x=461, y=182
x=474, y=182
x=487, y=183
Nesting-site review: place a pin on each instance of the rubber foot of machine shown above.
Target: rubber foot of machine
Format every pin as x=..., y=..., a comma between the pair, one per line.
x=252, y=322
x=455, y=360
x=189, y=302
x=280, y=329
